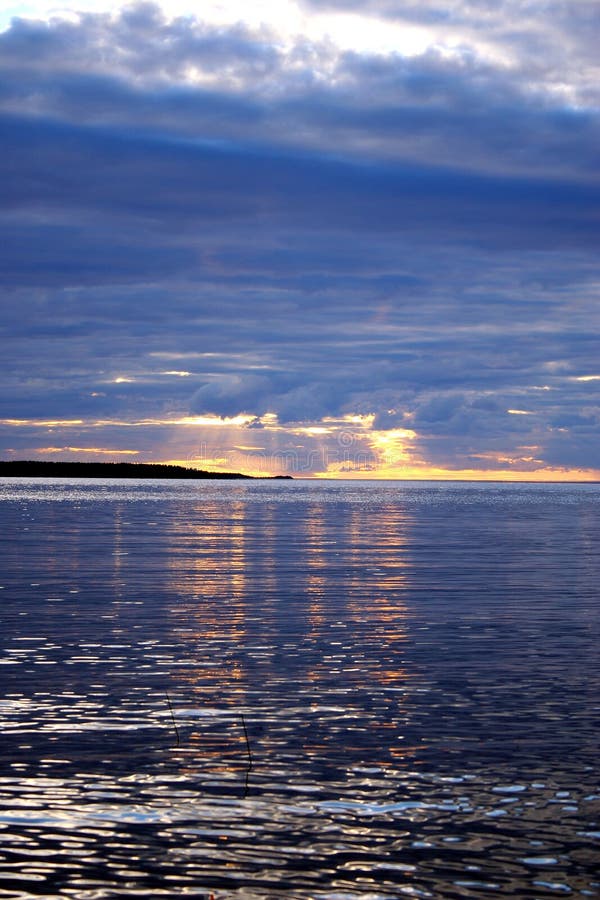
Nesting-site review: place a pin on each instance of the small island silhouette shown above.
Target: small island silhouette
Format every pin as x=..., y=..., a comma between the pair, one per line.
x=45, y=469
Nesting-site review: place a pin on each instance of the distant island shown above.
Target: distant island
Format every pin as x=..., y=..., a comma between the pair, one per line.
x=41, y=469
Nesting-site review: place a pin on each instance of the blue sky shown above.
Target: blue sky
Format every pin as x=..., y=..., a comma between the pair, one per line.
x=327, y=238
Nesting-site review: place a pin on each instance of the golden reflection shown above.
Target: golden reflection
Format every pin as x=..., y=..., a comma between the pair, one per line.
x=265, y=603
x=207, y=569
x=118, y=543
x=370, y=578
x=315, y=577
x=378, y=553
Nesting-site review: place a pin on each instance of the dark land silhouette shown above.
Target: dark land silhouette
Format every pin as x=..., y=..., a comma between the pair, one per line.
x=43, y=469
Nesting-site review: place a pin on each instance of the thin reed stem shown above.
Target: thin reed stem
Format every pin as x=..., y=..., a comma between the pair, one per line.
x=173, y=718
x=247, y=742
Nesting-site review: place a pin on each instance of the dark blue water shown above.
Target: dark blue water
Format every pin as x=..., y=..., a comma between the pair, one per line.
x=299, y=690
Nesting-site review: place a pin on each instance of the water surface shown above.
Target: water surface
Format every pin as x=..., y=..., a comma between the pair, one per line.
x=298, y=689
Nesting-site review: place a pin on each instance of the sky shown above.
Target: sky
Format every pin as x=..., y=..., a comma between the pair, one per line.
x=325, y=238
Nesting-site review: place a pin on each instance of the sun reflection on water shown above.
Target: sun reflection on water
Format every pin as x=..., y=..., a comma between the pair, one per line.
x=303, y=692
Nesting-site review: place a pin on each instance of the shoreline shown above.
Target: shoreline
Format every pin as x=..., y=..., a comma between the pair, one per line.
x=46, y=469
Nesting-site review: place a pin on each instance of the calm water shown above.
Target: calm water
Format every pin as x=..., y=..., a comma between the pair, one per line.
x=416, y=668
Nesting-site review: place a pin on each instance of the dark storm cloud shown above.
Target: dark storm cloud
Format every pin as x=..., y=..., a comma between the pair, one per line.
x=306, y=231
x=169, y=187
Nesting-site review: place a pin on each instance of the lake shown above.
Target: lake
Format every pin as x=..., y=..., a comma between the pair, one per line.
x=327, y=690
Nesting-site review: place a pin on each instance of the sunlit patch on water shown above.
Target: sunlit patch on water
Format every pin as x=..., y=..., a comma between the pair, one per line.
x=317, y=692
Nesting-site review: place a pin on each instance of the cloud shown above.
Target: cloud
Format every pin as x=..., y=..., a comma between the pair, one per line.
x=539, y=36
x=185, y=78
x=130, y=205
x=309, y=231
x=229, y=395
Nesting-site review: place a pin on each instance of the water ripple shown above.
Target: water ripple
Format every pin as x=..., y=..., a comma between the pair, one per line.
x=318, y=692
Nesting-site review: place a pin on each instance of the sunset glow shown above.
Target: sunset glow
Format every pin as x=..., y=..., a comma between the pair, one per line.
x=305, y=237
x=330, y=450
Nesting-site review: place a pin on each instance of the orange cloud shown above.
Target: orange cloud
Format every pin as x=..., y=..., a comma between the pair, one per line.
x=104, y=450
